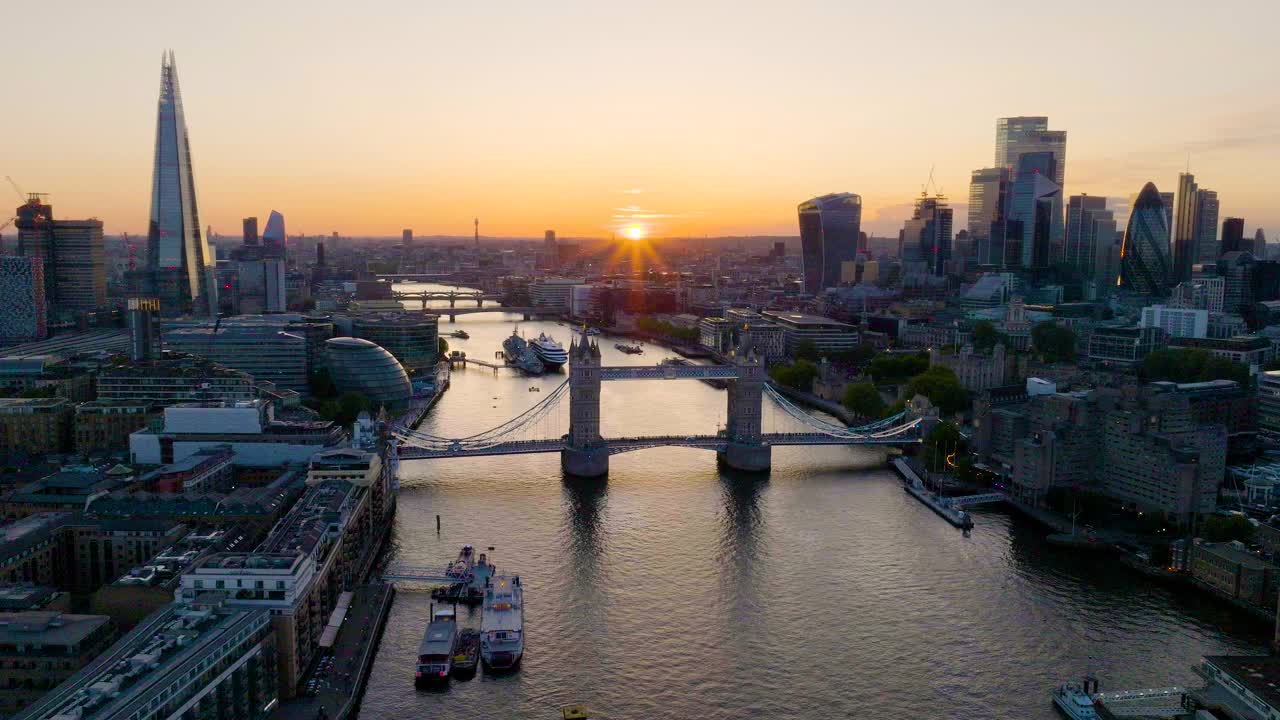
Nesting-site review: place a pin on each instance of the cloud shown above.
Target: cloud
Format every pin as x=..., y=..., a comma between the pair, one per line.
x=632, y=191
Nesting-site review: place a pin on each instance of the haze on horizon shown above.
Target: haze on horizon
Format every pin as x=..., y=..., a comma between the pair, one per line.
x=689, y=119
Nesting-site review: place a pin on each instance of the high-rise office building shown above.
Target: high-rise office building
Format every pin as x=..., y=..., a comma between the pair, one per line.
x=1260, y=244
x=1091, y=230
x=250, y=230
x=80, y=267
x=22, y=286
x=829, y=230
x=320, y=253
x=273, y=236
x=549, y=240
x=1037, y=203
x=990, y=197
x=1185, y=253
x=1207, y=249
x=406, y=237
x=1167, y=198
x=1233, y=235
x=927, y=235
x=71, y=253
x=1144, y=263
x=178, y=258
x=1018, y=136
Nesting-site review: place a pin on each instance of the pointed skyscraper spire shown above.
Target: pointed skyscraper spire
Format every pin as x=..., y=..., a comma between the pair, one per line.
x=178, y=256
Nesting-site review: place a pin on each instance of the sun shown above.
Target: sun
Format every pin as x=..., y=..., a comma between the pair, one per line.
x=634, y=232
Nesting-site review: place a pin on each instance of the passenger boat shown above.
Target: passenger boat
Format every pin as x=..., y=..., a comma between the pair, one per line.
x=551, y=353
x=466, y=653
x=461, y=567
x=592, y=332
x=460, y=334
x=435, y=654
x=629, y=349
x=502, y=625
x=1075, y=699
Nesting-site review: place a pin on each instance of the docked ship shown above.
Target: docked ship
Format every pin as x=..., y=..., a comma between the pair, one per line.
x=461, y=568
x=1075, y=700
x=551, y=353
x=435, y=654
x=502, y=624
x=521, y=355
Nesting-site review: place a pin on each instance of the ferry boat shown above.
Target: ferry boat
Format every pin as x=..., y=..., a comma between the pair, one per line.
x=551, y=353
x=592, y=332
x=502, y=624
x=435, y=654
x=521, y=355
x=466, y=654
x=1075, y=699
x=461, y=568
x=629, y=349
x=460, y=334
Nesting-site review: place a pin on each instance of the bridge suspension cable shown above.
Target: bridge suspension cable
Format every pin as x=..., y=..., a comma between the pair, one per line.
x=492, y=436
x=881, y=428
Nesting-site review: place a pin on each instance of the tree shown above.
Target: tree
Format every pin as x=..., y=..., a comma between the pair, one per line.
x=985, y=335
x=1053, y=342
x=886, y=369
x=349, y=406
x=798, y=375
x=943, y=442
x=942, y=387
x=863, y=399
x=1191, y=365
x=1225, y=528
x=857, y=356
x=442, y=346
x=321, y=383
x=807, y=350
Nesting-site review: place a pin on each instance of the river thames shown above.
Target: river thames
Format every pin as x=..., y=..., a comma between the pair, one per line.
x=819, y=590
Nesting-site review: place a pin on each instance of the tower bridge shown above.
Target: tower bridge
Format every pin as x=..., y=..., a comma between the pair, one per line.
x=741, y=444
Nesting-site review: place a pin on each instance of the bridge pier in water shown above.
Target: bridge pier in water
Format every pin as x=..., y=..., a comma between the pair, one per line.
x=585, y=454
x=746, y=450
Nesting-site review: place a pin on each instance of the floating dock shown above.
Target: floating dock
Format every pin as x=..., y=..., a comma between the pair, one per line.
x=940, y=505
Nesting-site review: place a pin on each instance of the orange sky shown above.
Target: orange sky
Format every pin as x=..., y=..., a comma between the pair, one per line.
x=692, y=118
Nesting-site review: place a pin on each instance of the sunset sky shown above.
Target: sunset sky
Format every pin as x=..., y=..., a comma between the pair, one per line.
x=690, y=118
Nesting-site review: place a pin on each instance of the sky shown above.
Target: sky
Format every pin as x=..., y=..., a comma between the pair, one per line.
x=685, y=118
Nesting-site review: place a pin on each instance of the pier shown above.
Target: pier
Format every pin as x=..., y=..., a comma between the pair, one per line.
x=948, y=508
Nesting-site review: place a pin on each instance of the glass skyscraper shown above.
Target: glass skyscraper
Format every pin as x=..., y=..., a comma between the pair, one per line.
x=1184, y=228
x=1207, y=226
x=178, y=258
x=830, y=228
x=1091, y=232
x=989, y=202
x=1144, y=262
x=927, y=235
x=1020, y=136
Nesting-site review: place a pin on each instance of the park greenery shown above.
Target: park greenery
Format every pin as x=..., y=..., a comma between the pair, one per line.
x=942, y=387
x=864, y=400
x=1053, y=342
x=344, y=409
x=1184, y=365
x=1226, y=528
x=662, y=328
x=887, y=369
x=798, y=375
x=985, y=336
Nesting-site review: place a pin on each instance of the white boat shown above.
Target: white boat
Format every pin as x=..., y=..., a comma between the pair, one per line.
x=1075, y=699
x=502, y=624
x=435, y=654
x=551, y=353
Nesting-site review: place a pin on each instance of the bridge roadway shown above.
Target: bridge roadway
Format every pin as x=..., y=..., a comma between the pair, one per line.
x=616, y=446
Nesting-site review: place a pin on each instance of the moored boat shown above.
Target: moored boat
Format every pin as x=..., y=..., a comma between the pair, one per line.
x=435, y=654
x=1075, y=699
x=466, y=654
x=502, y=625
x=551, y=353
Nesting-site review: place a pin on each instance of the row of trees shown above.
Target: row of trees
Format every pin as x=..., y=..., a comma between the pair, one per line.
x=1191, y=365
x=666, y=329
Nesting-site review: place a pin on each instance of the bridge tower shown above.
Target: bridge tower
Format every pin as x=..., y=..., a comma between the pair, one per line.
x=746, y=405
x=584, y=454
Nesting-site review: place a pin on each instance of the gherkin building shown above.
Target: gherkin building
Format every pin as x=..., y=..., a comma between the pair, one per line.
x=1144, y=256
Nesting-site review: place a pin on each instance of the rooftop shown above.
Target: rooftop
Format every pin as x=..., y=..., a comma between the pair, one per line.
x=45, y=628
x=1259, y=674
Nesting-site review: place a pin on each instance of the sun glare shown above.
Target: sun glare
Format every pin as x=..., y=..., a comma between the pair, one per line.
x=634, y=232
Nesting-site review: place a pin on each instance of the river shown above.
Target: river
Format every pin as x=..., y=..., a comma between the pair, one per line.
x=821, y=590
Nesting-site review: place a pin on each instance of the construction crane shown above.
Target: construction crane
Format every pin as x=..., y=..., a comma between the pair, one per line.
x=22, y=197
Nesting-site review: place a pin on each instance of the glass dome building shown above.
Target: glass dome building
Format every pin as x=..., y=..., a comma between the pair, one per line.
x=358, y=365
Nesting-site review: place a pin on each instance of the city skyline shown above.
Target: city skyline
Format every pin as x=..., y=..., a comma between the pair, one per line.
x=594, y=124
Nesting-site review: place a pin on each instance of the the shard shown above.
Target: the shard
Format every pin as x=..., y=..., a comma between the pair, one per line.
x=178, y=259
